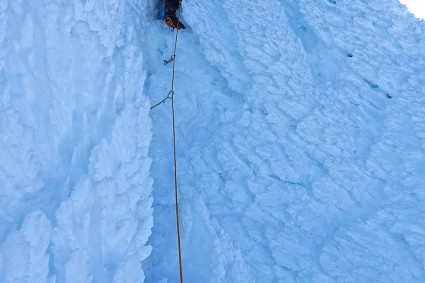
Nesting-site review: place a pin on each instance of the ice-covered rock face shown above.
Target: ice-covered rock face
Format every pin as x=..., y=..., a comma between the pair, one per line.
x=74, y=136
x=300, y=142
x=416, y=7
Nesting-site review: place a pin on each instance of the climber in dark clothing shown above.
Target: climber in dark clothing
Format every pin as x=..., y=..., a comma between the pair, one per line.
x=170, y=9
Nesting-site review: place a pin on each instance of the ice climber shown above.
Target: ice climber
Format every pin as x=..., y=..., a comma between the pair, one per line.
x=170, y=9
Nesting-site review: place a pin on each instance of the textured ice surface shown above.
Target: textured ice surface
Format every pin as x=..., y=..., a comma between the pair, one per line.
x=300, y=143
x=300, y=134
x=75, y=194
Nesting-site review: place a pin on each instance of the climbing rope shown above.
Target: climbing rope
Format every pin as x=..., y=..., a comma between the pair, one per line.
x=171, y=96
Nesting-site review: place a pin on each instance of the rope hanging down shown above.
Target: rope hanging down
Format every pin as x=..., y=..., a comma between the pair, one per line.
x=171, y=96
x=175, y=149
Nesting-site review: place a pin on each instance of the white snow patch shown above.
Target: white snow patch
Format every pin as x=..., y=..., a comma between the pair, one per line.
x=416, y=7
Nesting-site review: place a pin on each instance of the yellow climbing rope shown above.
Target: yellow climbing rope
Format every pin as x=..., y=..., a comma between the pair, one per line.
x=176, y=192
x=170, y=95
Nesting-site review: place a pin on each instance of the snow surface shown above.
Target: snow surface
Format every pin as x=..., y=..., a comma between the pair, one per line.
x=300, y=135
x=417, y=7
x=75, y=195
